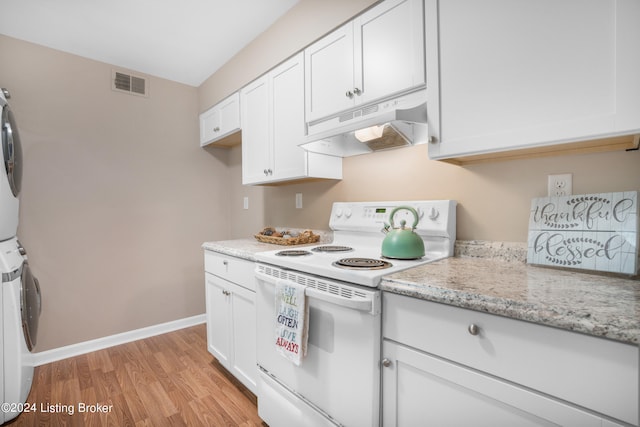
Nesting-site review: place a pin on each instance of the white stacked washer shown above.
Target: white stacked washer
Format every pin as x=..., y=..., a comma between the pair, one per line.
x=21, y=304
x=10, y=171
x=20, y=294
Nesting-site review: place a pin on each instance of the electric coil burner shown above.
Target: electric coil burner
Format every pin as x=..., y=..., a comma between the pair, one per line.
x=332, y=249
x=362, y=263
x=293, y=252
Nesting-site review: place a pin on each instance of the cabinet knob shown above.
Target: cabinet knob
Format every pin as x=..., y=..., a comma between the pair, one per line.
x=270, y=171
x=216, y=129
x=349, y=94
x=386, y=362
x=432, y=140
x=225, y=262
x=473, y=329
x=266, y=172
x=357, y=91
x=227, y=293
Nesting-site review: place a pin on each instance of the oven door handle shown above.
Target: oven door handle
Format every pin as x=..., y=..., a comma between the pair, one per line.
x=361, y=305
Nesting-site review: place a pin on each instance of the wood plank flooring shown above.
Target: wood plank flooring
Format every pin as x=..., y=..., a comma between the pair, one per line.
x=166, y=380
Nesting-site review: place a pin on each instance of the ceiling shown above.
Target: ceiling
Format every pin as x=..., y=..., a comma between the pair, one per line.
x=181, y=40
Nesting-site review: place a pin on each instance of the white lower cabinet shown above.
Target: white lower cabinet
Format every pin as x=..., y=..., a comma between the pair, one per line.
x=231, y=318
x=439, y=370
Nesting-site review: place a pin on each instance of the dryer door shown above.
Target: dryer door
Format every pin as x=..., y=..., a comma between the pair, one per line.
x=31, y=306
x=11, y=148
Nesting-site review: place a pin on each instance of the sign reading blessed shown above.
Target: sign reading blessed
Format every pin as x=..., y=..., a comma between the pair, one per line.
x=591, y=232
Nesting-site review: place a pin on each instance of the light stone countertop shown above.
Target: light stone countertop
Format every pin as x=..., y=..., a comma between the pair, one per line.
x=593, y=304
x=247, y=248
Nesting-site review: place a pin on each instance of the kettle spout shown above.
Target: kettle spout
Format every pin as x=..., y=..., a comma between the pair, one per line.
x=386, y=227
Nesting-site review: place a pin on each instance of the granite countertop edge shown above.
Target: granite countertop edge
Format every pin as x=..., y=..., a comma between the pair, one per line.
x=607, y=307
x=624, y=331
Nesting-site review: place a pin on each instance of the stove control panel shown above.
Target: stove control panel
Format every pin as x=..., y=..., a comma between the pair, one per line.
x=434, y=216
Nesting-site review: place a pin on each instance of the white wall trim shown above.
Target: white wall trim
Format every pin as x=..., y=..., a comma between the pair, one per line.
x=72, y=350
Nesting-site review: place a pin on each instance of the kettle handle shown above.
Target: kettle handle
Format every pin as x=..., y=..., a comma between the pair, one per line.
x=408, y=208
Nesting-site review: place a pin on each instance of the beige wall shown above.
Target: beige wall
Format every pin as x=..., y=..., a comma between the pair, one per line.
x=117, y=196
x=494, y=198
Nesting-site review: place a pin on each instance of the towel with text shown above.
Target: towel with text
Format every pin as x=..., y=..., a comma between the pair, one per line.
x=292, y=325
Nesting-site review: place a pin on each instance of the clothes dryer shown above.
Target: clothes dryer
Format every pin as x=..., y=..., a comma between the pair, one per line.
x=10, y=170
x=21, y=305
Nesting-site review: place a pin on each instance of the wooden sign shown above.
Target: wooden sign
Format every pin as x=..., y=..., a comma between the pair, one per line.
x=591, y=231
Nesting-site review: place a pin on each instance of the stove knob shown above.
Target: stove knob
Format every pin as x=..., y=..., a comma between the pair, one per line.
x=348, y=213
x=339, y=212
x=433, y=214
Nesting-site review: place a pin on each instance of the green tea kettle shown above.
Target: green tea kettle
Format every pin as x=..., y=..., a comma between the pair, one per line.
x=402, y=243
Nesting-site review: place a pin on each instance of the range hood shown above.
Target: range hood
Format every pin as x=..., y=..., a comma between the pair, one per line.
x=394, y=123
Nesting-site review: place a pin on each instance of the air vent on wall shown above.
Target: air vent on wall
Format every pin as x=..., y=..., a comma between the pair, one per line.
x=124, y=82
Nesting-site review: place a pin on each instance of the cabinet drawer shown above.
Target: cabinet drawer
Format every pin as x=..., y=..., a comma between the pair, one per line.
x=236, y=270
x=595, y=373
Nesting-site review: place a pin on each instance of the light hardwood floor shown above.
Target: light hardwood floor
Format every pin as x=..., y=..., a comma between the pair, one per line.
x=166, y=380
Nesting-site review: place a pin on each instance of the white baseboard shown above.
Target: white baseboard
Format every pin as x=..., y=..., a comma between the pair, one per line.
x=72, y=350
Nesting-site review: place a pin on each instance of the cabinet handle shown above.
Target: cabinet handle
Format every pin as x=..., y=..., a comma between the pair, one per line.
x=386, y=362
x=225, y=262
x=216, y=129
x=357, y=91
x=266, y=172
x=227, y=293
x=270, y=172
x=473, y=329
x=349, y=94
x=432, y=140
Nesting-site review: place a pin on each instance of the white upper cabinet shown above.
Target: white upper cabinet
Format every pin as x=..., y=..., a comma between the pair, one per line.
x=513, y=74
x=221, y=121
x=273, y=126
x=376, y=55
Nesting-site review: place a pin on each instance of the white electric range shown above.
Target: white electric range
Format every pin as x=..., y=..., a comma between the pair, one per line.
x=357, y=238
x=338, y=382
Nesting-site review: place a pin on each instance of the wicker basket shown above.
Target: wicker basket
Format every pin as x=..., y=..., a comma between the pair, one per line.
x=304, y=237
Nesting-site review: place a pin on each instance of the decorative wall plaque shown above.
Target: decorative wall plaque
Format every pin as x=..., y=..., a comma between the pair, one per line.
x=591, y=232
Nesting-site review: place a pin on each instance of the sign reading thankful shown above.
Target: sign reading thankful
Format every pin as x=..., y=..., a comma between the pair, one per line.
x=590, y=231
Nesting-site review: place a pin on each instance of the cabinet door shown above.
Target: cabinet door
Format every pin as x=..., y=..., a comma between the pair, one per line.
x=229, y=115
x=419, y=389
x=243, y=322
x=209, y=121
x=329, y=71
x=287, y=106
x=391, y=58
x=218, y=318
x=256, y=155
x=221, y=120
x=511, y=74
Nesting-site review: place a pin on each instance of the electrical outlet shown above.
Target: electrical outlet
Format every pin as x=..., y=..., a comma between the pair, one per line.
x=298, y=200
x=560, y=185
x=245, y=203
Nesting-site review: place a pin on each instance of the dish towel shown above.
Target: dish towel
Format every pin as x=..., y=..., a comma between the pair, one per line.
x=292, y=320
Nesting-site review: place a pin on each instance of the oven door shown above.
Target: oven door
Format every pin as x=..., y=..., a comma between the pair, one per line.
x=339, y=379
